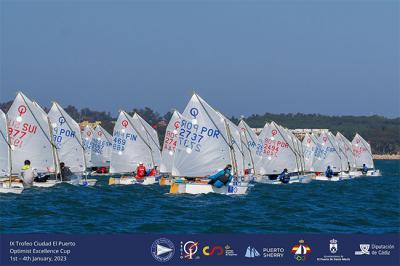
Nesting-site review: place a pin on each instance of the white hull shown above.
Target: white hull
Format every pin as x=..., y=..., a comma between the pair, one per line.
x=15, y=188
x=148, y=180
x=375, y=172
x=293, y=179
x=83, y=182
x=48, y=183
x=200, y=188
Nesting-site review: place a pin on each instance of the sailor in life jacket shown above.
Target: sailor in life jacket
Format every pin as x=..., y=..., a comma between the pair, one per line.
x=329, y=172
x=28, y=174
x=141, y=171
x=65, y=173
x=364, y=169
x=284, y=177
x=222, y=177
x=153, y=171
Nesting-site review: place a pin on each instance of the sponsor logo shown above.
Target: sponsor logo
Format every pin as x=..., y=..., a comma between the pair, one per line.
x=162, y=250
x=375, y=249
x=301, y=251
x=251, y=252
x=229, y=252
x=189, y=250
x=333, y=249
x=217, y=250
x=333, y=246
x=273, y=252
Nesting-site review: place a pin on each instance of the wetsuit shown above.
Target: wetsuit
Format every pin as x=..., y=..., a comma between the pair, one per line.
x=284, y=177
x=221, y=178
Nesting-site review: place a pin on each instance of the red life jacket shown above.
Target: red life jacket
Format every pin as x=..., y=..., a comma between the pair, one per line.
x=141, y=171
x=153, y=172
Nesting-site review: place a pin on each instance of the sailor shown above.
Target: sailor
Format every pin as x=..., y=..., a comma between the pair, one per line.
x=222, y=177
x=65, y=172
x=329, y=172
x=153, y=171
x=141, y=171
x=364, y=169
x=284, y=177
x=28, y=174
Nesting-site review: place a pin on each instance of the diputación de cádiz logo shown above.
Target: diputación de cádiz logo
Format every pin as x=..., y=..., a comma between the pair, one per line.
x=162, y=250
x=301, y=251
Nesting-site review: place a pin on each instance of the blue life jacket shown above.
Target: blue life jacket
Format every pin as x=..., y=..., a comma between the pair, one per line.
x=329, y=172
x=364, y=170
x=284, y=177
x=221, y=178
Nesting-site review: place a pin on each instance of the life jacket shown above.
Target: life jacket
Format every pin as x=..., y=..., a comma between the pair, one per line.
x=141, y=171
x=225, y=177
x=153, y=172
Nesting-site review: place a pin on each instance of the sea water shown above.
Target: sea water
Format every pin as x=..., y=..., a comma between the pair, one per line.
x=361, y=205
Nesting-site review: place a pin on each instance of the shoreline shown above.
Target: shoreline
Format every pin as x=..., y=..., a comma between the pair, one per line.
x=386, y=156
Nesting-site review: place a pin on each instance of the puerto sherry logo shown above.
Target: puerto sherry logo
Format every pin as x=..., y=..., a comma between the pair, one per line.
x=189, y=250
x=301, y=251
x=162, y=250
x=273, y=252
x=251, y=252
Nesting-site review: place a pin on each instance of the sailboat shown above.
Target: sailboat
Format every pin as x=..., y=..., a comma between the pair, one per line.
x=309, y=144
x=31, y=139
x=169, y=148
x=6, y=181
x=281, y=150
x=101, y=147
x=327, y=153
x=252, y=148
x=363, y=155
x=68, y=143
x=205, y=145
x=134, y=142
x=87, y=137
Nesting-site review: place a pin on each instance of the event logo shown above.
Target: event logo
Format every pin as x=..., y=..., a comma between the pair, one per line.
x=333, y=246
x=162, y=250
x=217, y=250
x=251, y=252
x=364, y=250
x=189, y=249
x=301, y=251
x=21, y=110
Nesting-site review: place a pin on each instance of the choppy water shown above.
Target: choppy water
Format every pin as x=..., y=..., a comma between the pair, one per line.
x=363, y=205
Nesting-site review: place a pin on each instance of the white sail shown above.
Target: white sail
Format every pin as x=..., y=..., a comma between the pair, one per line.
x=101, y=147
x=131, y=145
x=5, y=163
x=309, y=146
x=327, y=153
x=251, y=142
x=67, y=139
x=30, y=136
x=203, y=145
x=342, y=152
x=362, y=152
x=348, y=149
x=87, y=137
x=297, y=147
x=170, y=141
x=278, y=151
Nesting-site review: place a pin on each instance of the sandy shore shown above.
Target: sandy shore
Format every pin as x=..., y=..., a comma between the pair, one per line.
x=386, y=156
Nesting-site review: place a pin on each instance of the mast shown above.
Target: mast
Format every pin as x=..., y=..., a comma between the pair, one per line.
x=231, y=150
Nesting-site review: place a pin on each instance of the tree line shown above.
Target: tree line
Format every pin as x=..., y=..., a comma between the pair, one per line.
x=382, y=133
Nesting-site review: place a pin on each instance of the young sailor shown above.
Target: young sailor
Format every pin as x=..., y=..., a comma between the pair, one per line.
x=153, y=171
x=329, y=172
x=222, y=177
x=28, y=174
x=140, y=171
x=66, y=173
x=284, y=177
x=364, y=169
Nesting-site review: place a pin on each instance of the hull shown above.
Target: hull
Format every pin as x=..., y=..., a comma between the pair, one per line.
x=340, y=177
x=293, y=179
x=204, y=188
x=83, y=182
x=375, y=172
x=125, y=180
x=165, y=181
x=48, y=183
x=15, y=188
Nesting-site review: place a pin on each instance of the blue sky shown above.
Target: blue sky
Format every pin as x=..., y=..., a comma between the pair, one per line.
x=243, y=57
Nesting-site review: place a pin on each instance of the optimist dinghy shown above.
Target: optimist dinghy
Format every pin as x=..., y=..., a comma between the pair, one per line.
x=101, y=147
x=30, y=139
x=69, y=146
x=6, y=184
x=363, y=155
x=169, y=149
x=280, y=150
x=252, y=148
x=205, y=145
x=134, y=141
